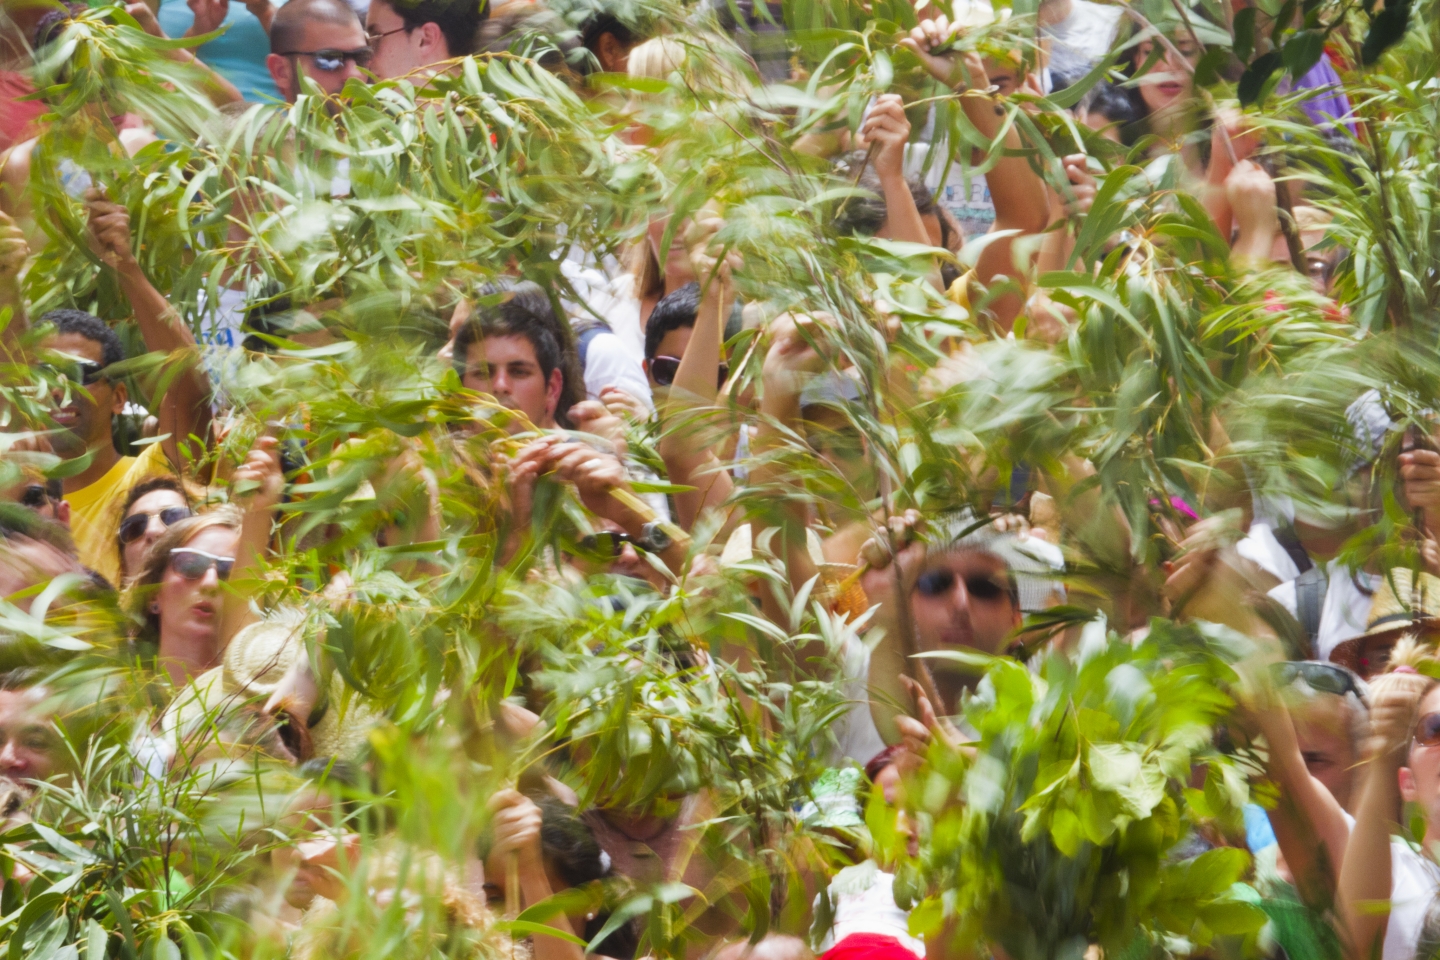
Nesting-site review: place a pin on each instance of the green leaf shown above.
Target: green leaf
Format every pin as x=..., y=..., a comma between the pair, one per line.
x=1303, y=51
x=1252, y=81
x=1244, y=33
x=1232, y=917
x=1386, y=29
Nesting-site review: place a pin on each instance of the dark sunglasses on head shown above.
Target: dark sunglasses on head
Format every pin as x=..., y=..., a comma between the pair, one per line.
x=193, y=564
x=663, y=369
x=83, y=372
x=333, y=61
x=1427, y=731
x=609, y=545
x=133, y=527
x=1318, y=675
x=935, y=583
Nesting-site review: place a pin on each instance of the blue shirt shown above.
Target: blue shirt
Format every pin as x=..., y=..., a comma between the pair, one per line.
x=238, y=54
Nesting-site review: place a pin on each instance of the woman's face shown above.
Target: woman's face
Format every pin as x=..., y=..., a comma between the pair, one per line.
x=1168, y=83
x=1420, y=779
x=152, y=505
x=190, y=609
x=676, y=265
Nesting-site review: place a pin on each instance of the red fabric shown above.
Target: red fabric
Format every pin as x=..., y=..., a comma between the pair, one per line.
x=17, y=117
x=868, y=946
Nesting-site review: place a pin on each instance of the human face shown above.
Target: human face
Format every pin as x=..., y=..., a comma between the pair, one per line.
x=507, y=369
x=27, y=738
x=398, y=50
x=329, y=72
x=628, y=563
x=676, y=265
x=1322, y=727
x=1168, y=83
x=888, y=780
x=83, y=417
x=1420, y=778
x=961, y=600
x=1003, y=75
x=673, y=344
x=151, y=505
x=190, y=609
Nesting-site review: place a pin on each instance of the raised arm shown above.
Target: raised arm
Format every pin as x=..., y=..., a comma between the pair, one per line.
x=888, y=130
x=1366, y=871
x=1016, y=189
x=1309, y=822
x=185, y=404
x=217, y=88
x=686, y=448
x=789, y=361
x=256, y=486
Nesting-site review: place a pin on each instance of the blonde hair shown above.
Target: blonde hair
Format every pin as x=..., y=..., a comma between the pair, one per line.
x=157, y=558
x=656, y=59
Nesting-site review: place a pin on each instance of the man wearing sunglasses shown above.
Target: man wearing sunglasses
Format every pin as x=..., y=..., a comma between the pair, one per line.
x=77, y=357
x=968, y=589
x=407, y=37
x=322, y=40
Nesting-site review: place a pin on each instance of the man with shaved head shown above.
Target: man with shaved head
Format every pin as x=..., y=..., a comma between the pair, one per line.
x=320, y=39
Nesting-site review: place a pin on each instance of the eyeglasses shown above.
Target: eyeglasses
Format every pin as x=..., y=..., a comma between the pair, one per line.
x=193, y=564
x=608, y=545
x=34, y=496
x=133, y=527
x=1318, y=675
x=935, y=583
x=333, y=61
x=1427, y=731
x=373, y=38
x=663, y=369
x=83, y=372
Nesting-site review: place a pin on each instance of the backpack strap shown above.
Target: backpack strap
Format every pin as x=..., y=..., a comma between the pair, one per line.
x=1310, y=589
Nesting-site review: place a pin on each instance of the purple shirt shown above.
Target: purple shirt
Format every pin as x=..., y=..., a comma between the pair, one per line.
x=1328, y=103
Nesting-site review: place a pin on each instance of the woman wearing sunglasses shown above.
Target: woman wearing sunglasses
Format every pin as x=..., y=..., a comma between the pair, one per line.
x=1401, y=765
x=152, y=507
x=187, y=616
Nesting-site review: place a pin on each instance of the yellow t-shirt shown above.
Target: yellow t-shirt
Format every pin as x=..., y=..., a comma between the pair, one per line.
x=95, y=509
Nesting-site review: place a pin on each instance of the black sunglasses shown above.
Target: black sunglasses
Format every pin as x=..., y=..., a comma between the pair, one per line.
x=193, y=564
x=83, y=372
x=1318, y=675
x=935, y=583
x=332, y=61
x=607, y=545
x=663, y=369
x=133, y=527
x=34, y=496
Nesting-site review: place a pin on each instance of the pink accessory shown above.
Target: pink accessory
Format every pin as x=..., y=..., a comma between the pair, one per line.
x=1405, y=669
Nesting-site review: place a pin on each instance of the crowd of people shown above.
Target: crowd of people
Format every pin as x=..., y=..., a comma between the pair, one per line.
x=585, y=478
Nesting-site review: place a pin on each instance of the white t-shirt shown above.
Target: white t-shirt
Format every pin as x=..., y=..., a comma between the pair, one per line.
x=1261, y=547
x=1089, y=30
x=609, y=364
x=1346, y=609
x=1414, y=884
x=864, y=899
x=856, y=735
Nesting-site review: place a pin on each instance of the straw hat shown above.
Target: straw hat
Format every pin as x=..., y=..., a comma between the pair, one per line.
x=255, y=661
x=1403, y=603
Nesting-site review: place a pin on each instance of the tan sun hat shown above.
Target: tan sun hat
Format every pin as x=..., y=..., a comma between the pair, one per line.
x=1404, y=603
x=255, y=661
